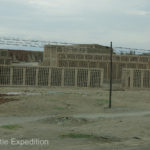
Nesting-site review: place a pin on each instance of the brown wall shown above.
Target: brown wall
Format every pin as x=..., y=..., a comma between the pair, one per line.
x=25, y=56
x=89, y=57
x=4, y=58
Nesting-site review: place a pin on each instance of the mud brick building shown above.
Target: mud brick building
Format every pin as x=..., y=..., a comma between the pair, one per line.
x=92, y=56
x=8, y=56
x=25, y=56
x=4, y=57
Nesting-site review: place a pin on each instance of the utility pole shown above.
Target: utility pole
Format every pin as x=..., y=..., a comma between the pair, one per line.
x=110, y=92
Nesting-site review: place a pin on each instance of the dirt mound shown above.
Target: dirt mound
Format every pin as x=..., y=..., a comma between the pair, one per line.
x=4, y=99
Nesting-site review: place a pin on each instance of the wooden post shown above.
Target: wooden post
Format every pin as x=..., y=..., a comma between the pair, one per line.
x=102, y=77
x=24, y=76
x=111, y=70
x=117, y=68
x=142, y=77
x=125, y=78
x=131, y=78
x=37, y=76
x=49, y=77
x=62, y=77
x=76, y=76
x=89, y=74
x=123, y=81
x=11, y=76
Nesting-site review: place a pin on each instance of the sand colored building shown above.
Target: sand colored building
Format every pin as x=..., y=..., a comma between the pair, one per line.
x=25, y=56
x=52, y=52
x=92, y=56
x=8, y=56
x=84, y=65
x=4, y=57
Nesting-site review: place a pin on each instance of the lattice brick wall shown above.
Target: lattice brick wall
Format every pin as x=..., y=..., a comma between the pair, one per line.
x=84, y=60
x=117, y=66
x=47, y=77
x=136, y=78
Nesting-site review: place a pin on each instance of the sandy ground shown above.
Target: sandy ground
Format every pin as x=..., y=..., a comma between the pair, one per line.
x=53, y=114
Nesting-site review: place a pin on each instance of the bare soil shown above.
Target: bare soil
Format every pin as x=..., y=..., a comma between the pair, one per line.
x=76, y=119
x=3, y=98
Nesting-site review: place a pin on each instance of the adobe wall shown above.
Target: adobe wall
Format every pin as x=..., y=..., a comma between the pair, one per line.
x=69, y=56
x=136, y=78
x=49, y=77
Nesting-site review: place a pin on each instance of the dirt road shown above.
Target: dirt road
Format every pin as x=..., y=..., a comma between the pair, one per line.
x=112, y=115
x=20, y=120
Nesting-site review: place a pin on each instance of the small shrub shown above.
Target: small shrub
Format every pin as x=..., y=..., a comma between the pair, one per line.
x=11, y=127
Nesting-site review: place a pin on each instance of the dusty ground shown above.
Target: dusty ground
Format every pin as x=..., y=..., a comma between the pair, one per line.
x=75, y=119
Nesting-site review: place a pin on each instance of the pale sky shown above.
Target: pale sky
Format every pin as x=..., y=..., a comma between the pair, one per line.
x=125, y=22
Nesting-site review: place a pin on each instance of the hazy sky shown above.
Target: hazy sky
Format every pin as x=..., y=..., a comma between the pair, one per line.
x=125, y=22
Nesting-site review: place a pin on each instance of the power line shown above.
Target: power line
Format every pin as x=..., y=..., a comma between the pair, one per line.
x=29, y=43
x=32, y=43
x=131, y=49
